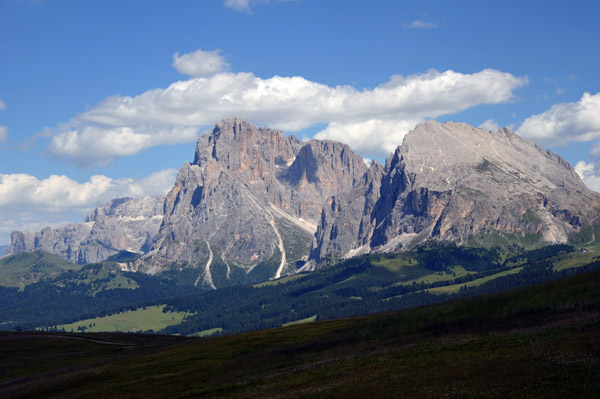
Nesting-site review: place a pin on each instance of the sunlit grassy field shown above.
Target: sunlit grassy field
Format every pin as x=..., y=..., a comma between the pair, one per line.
x=143, y=319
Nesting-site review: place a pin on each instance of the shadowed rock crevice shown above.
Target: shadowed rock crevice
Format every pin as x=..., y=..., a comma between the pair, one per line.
x=196, y=197
x=304, y=168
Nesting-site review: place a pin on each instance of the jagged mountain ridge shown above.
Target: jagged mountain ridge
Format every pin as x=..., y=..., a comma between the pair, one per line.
x=120, y=224
x=254, y=203
x=247, y=208
x=451, y=181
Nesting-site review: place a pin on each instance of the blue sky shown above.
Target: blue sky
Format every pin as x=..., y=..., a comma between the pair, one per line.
x=101, y=99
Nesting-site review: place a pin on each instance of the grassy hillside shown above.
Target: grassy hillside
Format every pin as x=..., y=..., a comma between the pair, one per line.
x=88, y=292
x=368, y=284
x=93, y=294
x=27, y=268
x=541, y=341
x=375, y=283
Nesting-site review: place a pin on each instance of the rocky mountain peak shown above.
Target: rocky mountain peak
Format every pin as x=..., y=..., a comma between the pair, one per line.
x=249, y=203
x=453, y=181
x=330, y=165
x=145, y=207
x=243, y=147
x=120, y=224
x=255, y=203
x=444, y=155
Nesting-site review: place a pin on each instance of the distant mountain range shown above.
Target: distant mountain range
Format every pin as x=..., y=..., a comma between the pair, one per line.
x=255, y=204
x=120, y=224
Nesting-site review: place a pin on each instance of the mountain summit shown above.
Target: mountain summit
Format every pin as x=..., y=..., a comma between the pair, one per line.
x=246, y=209
x=454, y=182
x=256, y=204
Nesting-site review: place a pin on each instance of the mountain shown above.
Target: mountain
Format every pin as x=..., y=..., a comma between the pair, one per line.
x=255, y=204
x=248, y=206
x=120, y=224
x=454, y=182
x=40, y=289
x=26, y=268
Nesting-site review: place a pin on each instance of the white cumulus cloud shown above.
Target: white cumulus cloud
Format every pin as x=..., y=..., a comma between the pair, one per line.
x=371, y=121
x=571, y=122
x=378, y=138
x=200, y=63
x=27, y=202
x=489, y=124
x=418, y=24
x=238, y=5
x=3, y=133
x=567, y=122
x=98, y=144
x=59, y=192
x=589, y=173
x=2, y=105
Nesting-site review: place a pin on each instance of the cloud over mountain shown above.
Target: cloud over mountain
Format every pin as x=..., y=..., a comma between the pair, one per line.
x=372, y=121
x=590, y=174
x=571, y=122
x=87, y=144
x=563, y=123
x=31, y=203
x=59, y=192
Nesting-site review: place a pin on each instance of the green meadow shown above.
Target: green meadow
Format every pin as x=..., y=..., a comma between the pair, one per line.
x=143, y=319
x=26, y=268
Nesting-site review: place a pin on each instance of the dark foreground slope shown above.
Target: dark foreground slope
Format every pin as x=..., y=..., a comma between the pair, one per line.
x=542, y=341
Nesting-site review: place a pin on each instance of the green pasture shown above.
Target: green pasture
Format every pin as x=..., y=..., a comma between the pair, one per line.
x=143, y=319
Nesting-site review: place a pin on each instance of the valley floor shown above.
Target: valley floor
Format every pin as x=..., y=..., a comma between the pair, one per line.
x=541, y=342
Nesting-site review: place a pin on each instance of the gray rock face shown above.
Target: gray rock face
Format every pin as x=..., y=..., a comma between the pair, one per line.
x=346, y=220
x=454, y=182
x=255, y=203
x=246, y=209
x=120, y=224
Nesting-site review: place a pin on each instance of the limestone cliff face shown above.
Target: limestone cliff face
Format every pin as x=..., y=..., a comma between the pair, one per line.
x=254, y=204
x=454, y=182
x=120, y=224
x=246, y=209
x=346, y=221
